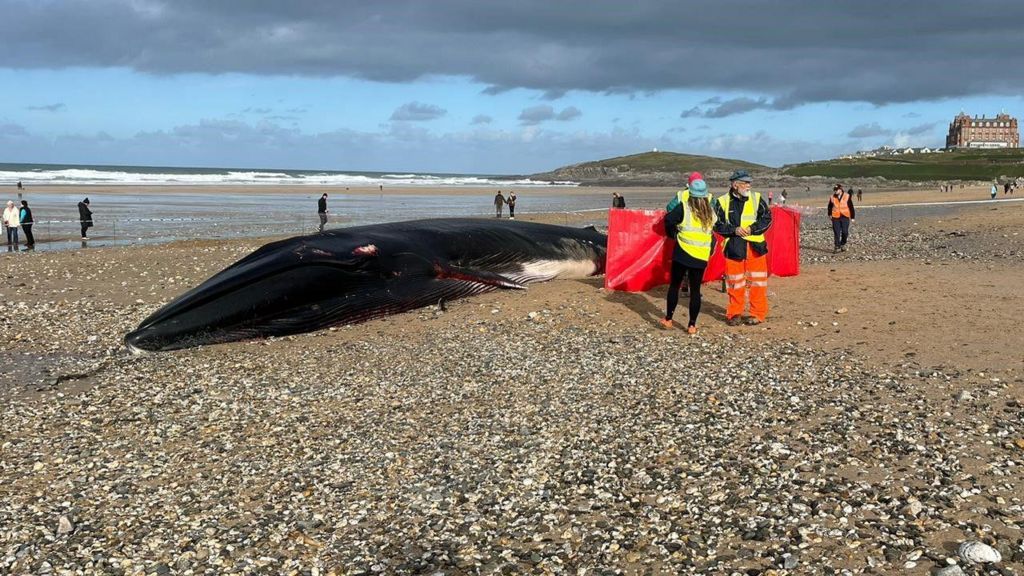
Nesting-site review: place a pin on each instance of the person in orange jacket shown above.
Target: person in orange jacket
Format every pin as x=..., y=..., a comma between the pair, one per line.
x=841, y=211
x=742, y=218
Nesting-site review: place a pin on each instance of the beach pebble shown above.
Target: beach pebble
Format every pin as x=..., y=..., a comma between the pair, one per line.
x=978, y=553
x=64, y=526
x=913, y=508
x=953, y=570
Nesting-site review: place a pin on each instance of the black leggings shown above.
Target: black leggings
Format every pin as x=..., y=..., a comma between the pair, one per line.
x=694, y=276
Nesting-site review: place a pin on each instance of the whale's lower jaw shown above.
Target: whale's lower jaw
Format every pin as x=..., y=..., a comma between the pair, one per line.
x=135, y=350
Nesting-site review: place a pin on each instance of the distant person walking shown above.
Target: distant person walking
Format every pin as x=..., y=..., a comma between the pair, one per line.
x=1006, y=188
x=499, y=202
x=20, y=187
x=994, y=191
x=321, y=210
x=511, y=205
x=690, y=220
x=783, y=196
x=742, y=217
x=11, y=220
x=860, y=194
x=25, y=214
x=85, y=217
x=841, y=211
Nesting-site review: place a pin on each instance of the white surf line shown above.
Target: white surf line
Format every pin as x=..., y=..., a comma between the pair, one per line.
x=944, y=203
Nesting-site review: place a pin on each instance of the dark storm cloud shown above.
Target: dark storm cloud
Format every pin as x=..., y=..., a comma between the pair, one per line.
x=47, y=107
x=417, y=112
x=791, y=52
x=869, y=131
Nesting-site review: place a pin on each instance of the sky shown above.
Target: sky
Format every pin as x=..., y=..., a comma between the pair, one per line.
x=470, y=86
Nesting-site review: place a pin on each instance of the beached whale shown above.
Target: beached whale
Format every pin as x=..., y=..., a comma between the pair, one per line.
x=354, y=274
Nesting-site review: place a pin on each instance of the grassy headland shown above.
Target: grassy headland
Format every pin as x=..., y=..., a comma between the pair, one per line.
x=645, y=169
x=958, y=165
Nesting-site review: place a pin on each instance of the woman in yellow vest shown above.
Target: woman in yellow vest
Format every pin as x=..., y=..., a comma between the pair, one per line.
x=690, y=220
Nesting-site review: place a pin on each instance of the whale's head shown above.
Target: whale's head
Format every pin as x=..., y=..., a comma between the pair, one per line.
x=286, y=287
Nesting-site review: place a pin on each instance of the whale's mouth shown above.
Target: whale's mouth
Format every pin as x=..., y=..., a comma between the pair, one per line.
x=278, y=290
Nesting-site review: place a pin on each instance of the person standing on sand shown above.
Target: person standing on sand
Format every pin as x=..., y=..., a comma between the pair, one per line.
x=84, y=217
x=783, y=196
x=11, y=220
x=994, y=191
x=860, y=194
x=742, y=217
x=499, y=201
x=840, y=210
x=690, y=221
x=511, y=205
x=321, y=210
x=20, y=187
x=25, y=214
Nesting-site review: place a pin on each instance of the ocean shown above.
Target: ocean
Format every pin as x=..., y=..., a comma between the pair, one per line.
x=67, y=174
x=188, y=205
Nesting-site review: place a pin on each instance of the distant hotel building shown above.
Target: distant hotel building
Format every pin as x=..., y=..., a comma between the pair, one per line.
x=968, y=132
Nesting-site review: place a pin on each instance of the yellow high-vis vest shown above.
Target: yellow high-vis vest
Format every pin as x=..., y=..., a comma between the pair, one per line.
x=748, y=216
x=692, y=238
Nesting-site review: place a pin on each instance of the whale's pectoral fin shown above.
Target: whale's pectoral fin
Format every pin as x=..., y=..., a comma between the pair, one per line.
x=484, y=277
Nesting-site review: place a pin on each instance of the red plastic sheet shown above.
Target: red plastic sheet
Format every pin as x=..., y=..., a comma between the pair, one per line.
x=784, y=242
x=640, y=254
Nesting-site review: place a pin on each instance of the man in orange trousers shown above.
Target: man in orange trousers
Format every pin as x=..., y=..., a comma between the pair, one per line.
x=742, y=219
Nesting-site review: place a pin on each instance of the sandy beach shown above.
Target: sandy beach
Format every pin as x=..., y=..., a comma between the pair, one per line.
x=556, y=430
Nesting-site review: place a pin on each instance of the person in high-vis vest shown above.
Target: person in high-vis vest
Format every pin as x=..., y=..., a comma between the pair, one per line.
x=742, y=218
x=690, y=222
x=840, y=210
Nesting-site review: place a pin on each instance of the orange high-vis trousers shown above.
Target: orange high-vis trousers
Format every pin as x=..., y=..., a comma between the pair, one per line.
x=750, y=273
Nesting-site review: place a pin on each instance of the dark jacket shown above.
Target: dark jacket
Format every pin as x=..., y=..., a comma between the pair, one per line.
x=26, y=215
x=321, y=206
x=619, y=202
x=84, y=214
x=828, y=210
x=673, y=218
x=726, y=225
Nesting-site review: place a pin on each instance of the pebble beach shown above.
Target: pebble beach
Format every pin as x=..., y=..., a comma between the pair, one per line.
x=551, y=431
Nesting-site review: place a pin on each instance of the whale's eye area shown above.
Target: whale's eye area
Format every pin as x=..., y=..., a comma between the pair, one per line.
x=368, y=250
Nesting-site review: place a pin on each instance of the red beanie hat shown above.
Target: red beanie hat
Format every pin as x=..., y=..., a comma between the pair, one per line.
x=694, y=176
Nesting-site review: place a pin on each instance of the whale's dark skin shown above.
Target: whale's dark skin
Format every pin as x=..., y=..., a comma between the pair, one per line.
x=355, y=274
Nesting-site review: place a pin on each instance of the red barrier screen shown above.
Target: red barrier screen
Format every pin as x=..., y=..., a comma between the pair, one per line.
x=640, y=254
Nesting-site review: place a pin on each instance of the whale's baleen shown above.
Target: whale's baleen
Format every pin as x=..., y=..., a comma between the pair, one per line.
x=355, y=274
